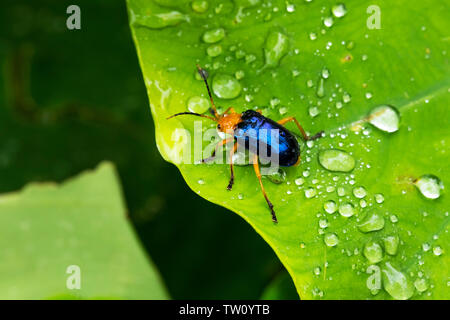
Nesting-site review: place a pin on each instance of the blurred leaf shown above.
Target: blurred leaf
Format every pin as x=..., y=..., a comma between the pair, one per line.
x=332, y=74
x=280, y=288
x=82, y=222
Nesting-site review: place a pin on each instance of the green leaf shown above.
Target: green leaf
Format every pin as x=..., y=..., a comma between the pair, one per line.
x=330, y=78
x=280, y=288
x=46, y=228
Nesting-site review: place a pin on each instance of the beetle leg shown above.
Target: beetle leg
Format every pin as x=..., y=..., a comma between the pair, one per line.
x=258, y=175
x=305, y=136
x=213, y=156
x=230, y=184
x=229, y=110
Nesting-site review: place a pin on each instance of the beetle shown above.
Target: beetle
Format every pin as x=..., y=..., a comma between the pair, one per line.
x=288, y=150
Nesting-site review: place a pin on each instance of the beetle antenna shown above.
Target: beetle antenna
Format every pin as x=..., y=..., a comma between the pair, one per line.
x=204, y=74
x=193, y=114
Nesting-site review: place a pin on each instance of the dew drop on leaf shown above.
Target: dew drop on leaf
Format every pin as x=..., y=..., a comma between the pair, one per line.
x=396, y=283
x=275, y=47
x=359, y=192
x=198, y=104
x=391, y=244
x=200, y=6
x=214, y=50
x=336, y=160
x=385, y=117
x=226, y=86
x=339, y=10
x=421, y=285
x=330, y=206
x=373, y=221
x=430, y=186
x=346, y=209
x=214, y=35
x=373, y=252
x=331, y=239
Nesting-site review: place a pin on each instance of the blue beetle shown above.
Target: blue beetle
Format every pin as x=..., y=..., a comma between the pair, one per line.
x=246, y=127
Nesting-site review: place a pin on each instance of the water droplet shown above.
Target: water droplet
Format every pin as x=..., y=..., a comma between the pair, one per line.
x=313, y=36
x=310, y=192
x=396, y=283
x=373, y=252
x=328, y=22
x=385, y=118
x=201, y=181
x=339, y=10
x=313, y=111
x=200, y=6
x=325, y=73
x=277, y=177
x=426, y=247
x=331, y=239
x=391, y=244
x=372, y=222
x=336, y=160
x=240, y=196
x=214, y=50
x=330, y=206
x=437, y=251
x=160, y=20
x=240, y=74
x=323, y=223
x=359, y=192
x=283, y=110
x=341, y=191
x=430, y=186
x=317, y=271
x=346, y=98
x=275, y=47
x=299, y=181
x=198, y=104
x=362, y=203
x=302, y=245
x=346, y=210
x=320, y=92
x=309, y=83
x=421, y=285
x=379, y=198
x=226, y=86
x=214, y=35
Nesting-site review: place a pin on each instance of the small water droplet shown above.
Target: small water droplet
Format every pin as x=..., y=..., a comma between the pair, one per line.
x=214, y=50
x=200, y=6
x=396, y=283
x=346, y=98
x=323, y=223
x=313, y=111
x=421, y=285
x=214, y=35
x=328, y=22
x=240, y=74
x=437, y=251
x=320, y=92
x=277, y=177
x=299, y=181
x=373, y=252
x=330, y=206
x=325, y=73
x=359, y=192
x=331, y=239
x=317, y=271
x=336, y=160
x=339, y=10
x=341, y=191
x=385, y=118
x=391, y=244
x=198, y=104
x=346, y=209
x=312, y=36
x=201, y=181
x=310, y=192
x=275, y=47
x=379, y=198
x=430, y=186
x=226, y=86
x=372, y=222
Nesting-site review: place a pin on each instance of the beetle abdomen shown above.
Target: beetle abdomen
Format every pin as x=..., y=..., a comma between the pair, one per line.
x=261, y=134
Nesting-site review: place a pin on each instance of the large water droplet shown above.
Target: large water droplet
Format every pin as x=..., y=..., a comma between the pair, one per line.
x=385, y=118
x=339, y=10
x=373, y=252
x=277, y=177
x=226, y=86
x=275, y=47
x=359, y=192
x=331, y=239
x=336, y=160
x=346, y=210
x=391, y=244
x=373, y=221
x=430, y=186
x=214, y=35
x=198, y=104
x=214, y=50
x=396, y=283
x=310, y=192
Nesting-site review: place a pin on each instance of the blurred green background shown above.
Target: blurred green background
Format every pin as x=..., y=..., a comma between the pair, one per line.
x=70, y=99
